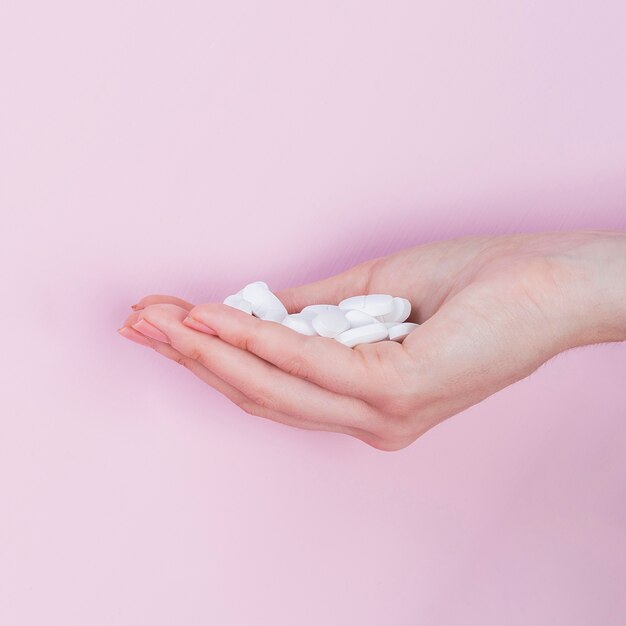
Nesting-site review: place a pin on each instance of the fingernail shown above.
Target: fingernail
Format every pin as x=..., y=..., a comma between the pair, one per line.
x=149, y=330
x=136, y=307
x=129, y=333
x=196, y=325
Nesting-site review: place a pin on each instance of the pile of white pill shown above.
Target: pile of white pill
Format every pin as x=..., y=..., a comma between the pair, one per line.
x=355, y=320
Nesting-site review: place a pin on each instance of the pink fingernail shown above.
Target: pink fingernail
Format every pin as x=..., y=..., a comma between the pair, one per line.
x=196, y=325
x=147, y=329
x=133, y=335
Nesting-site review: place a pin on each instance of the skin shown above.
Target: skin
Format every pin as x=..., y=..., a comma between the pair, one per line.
x=491, y=311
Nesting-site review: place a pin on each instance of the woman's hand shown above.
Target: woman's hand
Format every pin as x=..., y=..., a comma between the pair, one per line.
x=491, y=309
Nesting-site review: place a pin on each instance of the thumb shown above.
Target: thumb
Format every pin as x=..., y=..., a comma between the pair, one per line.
x=332, y=290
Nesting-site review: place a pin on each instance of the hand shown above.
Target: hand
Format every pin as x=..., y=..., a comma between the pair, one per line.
x=491, y=309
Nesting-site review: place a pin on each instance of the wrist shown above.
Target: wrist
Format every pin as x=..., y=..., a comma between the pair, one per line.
x=595, y=290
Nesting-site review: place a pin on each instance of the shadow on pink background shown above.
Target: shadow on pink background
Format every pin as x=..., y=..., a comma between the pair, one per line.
x=191, y=147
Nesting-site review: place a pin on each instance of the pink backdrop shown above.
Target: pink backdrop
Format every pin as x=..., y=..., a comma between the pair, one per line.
x=190, y=147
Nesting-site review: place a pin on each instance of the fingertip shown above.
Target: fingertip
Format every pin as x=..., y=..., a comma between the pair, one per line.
x=199, y=326
x=133, y=335
x=157, y=298
x=150, y=330
x=164, y=311
x=166, y=319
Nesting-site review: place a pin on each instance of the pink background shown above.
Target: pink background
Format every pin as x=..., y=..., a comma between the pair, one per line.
x=190, y=147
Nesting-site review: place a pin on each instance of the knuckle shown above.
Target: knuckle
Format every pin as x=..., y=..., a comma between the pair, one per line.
x=195, y=354
x=295, y=364
x=249, y=407
x=401, y=403
x=248, y=337
x=248, y=342
x=261, y=398
x=395, y=399
x=385, y=446
x=394, y=432
x=183, y=360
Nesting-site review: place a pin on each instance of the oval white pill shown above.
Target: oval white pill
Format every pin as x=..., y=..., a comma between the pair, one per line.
x=300, y=324
x=255, y=292
x=264, y=303
x=330, y=323
x=399, y=332
x=363, y=334
x=314, y=310
x=400, y=311
x=358, y=318
x=271, y=315
x=373, y=304
x=237, y=302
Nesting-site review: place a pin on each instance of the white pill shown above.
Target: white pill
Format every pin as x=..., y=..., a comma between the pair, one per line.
x=330, y=323
x=300, y=324
x=313, y=310
x=373, y=304
x=237, y=302
x=271, y=314
x=401, y=309
x=363, y=334
x=255, y=292
x=264, y=303
x=399, y=332
x=358, y=318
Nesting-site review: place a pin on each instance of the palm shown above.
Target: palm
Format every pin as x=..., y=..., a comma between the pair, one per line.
x=479, y=301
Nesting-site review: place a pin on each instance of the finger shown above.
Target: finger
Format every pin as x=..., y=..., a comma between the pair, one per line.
x=234, y=395
x=261, y=381
x=322, y=361
x=240, y=399
x=161, y=299
x=331, y=290
x=245, y=403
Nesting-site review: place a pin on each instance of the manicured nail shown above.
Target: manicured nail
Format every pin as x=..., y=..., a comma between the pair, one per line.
x=133, y=335
x=147, y=329
x=196, y=325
